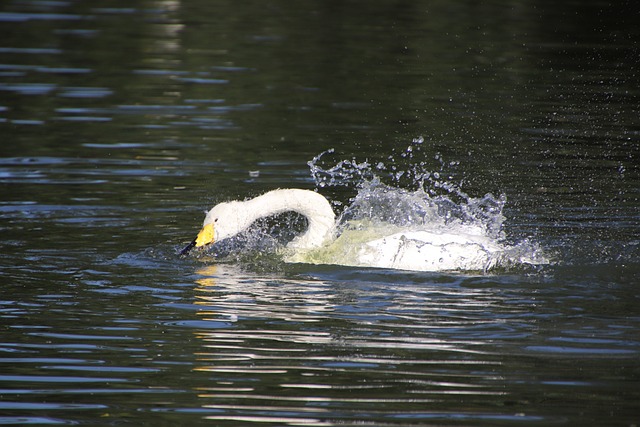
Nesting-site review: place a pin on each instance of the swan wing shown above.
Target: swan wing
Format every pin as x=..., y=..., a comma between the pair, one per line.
x=430, y=251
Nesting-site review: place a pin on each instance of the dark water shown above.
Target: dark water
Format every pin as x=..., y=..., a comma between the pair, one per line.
x=121, y=122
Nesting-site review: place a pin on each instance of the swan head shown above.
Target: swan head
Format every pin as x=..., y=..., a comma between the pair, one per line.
x=222, y=221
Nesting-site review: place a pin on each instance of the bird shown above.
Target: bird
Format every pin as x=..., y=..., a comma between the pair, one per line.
x=323, y=242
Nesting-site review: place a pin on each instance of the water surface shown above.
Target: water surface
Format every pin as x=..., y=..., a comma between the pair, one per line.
x=121, y=123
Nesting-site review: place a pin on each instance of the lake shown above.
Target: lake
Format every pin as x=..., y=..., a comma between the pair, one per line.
x=122, y=123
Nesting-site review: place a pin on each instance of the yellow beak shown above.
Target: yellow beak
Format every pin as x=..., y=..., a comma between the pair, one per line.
x=205, y=236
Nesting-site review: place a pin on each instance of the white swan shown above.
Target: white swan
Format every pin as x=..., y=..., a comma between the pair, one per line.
x=419, y=250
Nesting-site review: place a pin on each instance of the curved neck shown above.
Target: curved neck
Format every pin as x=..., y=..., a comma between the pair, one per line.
x=312, y=205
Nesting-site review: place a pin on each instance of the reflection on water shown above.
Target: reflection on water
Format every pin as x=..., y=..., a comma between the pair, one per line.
x=377, y=353
x=295, y=351
x=120, y=123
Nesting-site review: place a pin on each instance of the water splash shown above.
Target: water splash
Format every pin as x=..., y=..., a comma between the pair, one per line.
x=434, y=225
x=402, y=168
x=410, y=193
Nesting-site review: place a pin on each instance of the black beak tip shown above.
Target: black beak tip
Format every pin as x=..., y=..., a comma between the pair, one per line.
x=188, y=248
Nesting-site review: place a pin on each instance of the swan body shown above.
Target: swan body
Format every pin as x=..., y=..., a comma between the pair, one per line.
x=418, y=250
x=430, y=251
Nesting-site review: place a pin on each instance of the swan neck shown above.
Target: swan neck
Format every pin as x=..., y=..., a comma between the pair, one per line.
x=312, y=205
